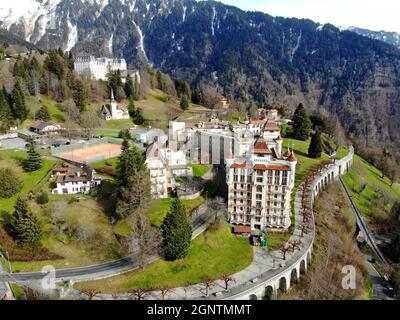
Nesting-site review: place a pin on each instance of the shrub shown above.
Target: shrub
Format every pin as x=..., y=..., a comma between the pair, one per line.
x=10, y=183
x=42, y=198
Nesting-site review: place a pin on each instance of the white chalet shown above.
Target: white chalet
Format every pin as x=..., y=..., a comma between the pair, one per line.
x=71, y=180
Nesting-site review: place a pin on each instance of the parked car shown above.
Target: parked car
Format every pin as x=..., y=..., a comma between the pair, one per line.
x=390, y=290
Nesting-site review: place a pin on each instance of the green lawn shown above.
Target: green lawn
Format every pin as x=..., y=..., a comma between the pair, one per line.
x=117, y=124
x=103, y=163
x=32, y=180
x=210, y=255
x=363, y=181
x=199, y=170
x=304, y=163
x=158, y=208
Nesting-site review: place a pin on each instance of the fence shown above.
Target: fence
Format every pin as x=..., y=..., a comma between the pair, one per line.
x=85, y=144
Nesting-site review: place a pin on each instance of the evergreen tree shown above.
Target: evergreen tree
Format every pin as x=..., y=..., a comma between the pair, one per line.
x=315, y=148
x=132, y=108
x=33, y=162
x=182, y=87
x=177, y=231
x=301, y=123
x=43, y=114
x=160, y=80
x=5, y=112
x=130, y=160
x=129, y=87
x=115, y=83
x=184, y=102
x=80, y=95
x=10, y=183
x=136, y=88
x=19, y=107
x=25, y=225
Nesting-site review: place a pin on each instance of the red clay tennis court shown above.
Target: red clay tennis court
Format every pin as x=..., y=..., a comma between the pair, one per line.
x=91, y=154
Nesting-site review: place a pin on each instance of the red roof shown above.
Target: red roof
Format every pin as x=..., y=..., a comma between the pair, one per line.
x=261, y=147
x=257, y=122
x=242, y=229
x=60, y=169
x=292, y=157
x=241, y=166
x=271, y=167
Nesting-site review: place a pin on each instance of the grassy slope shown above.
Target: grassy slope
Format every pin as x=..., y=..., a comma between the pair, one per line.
x=32, y=180
x=304, y=165
x=159, y=208
x=199, y=170
x=364, y=173
x=335, y=227
x=101, y=246
x=211, y=254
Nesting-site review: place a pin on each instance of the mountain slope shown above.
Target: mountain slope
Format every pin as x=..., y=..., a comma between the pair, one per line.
x=247, y=55
x=392, y=38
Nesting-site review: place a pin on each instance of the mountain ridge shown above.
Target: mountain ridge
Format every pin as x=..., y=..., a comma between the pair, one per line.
x=245, y=55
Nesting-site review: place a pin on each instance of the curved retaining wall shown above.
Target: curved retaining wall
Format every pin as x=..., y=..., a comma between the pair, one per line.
x=267, y=284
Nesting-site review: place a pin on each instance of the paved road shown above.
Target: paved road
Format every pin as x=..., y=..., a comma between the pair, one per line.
x=200, y=224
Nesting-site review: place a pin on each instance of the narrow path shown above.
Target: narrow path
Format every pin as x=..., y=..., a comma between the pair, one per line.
x=363, y=225
x=378, y=283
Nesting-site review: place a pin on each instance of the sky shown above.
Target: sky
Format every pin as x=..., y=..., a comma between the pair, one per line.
x=369, y=14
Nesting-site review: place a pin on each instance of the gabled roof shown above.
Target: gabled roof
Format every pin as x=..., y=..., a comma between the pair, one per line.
x=40, y=125
x=271, y=167
x=241, y=166
x=261, y=147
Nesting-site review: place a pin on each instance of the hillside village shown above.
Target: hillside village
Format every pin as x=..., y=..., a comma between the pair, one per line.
x=103, y=162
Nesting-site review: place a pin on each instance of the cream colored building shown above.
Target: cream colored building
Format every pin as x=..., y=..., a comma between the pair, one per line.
x=260, y=188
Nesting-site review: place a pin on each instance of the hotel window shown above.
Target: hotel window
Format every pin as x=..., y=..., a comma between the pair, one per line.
x=259, y=173
x=258, y=196
x=277, y=177
x=259, y=188
x=259, y=179
x=258, y=204
x=269, y=180
x=270, y=173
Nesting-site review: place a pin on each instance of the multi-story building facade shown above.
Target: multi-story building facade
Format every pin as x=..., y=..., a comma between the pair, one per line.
x=260, y=188
x=164, y=165
x=98, y=68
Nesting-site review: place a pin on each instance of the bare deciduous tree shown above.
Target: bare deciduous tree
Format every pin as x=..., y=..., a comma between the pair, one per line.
x=208, y=284
x=227, y=279
x=145, y=240
x=164, y=291
x=90, y=293
x=138, y=294
x=284, y=249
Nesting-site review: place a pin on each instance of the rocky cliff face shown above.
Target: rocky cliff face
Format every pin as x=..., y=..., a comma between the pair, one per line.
x=247, y=55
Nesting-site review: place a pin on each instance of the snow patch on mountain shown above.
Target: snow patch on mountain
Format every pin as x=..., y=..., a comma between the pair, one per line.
x=213, y=21
x=141, y=42
x=296, y=47
x=72, y=36
x=184, y=14
x=110, y=44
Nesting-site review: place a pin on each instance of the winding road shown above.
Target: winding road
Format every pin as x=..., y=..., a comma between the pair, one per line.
x=102, y=270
